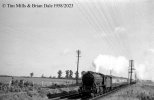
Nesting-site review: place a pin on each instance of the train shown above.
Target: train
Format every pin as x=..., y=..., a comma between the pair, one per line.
x=97, y=83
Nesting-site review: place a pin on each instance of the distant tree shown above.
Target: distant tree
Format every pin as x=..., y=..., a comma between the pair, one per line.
x=31, y=74
x=82, y=73
x=42, y=76
x=67, y=74
x=54, y=77
x=50, y=76
x=59, y=74
x=70, y=74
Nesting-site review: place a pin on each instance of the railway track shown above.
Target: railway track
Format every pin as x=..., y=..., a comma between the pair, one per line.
x=68, y=96
x=108, y=93
x=77, y=96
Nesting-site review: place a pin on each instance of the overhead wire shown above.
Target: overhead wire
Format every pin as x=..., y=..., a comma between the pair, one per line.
x=125, y=47
x=109, y=26
x=94, y=19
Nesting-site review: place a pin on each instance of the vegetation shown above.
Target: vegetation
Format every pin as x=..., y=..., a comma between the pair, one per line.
x=16, y=86
x=26, y=90
x=76, y=74
x=31, y=74
x=70, y=74
x=42, y=76
x=24, y=85
x=59, y=74
x=67, y=74
x=139, y=91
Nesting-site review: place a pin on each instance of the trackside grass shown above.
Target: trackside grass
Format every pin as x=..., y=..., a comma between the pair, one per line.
x=139, y=91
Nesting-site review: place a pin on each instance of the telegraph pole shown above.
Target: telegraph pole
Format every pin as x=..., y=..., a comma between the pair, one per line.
x=128, y=74
x=131, y=64
x=131, y=71
x=135, y=77
x=77, y=73
x=110, y=71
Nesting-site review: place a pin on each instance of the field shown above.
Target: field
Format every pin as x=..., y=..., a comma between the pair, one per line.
x=39, y=80
x=140, y=91
x=27, y=88
x=40, y=88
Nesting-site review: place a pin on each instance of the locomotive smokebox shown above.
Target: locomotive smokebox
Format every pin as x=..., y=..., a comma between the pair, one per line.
x=88, y=79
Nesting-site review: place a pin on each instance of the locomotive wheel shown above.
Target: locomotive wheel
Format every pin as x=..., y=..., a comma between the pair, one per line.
x=93, y=95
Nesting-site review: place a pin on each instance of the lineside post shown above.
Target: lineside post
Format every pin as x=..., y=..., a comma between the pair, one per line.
x=131, y=64
x=77, y=73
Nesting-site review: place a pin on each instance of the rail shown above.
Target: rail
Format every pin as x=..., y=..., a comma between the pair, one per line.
x=77, y=96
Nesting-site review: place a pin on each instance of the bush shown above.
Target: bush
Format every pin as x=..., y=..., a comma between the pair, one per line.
x=17, y=86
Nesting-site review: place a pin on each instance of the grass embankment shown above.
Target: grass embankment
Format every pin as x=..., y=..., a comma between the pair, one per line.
x=139, y=91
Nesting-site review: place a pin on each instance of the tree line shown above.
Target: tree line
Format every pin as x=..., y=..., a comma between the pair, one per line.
x=68, y=74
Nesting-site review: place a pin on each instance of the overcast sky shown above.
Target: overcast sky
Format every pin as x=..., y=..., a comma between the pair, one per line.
x=45, y=40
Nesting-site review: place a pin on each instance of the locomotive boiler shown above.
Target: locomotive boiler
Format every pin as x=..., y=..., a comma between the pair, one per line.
x=92, y=83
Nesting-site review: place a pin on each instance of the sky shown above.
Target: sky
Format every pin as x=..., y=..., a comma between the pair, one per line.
x=108, y=32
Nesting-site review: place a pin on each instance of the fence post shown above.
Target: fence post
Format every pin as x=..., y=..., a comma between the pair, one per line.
x=10, y=84
x=42, y=83
x=33, y=85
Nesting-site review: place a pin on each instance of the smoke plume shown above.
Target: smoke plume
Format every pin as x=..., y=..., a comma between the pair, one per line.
x=109, y=64
x=118, y=66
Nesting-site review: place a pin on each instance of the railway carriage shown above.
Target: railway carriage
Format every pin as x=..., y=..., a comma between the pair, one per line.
x=118, y=81
x=108, y=83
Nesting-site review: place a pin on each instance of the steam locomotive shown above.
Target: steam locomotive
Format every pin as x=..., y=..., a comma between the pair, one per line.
x=96, y=83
